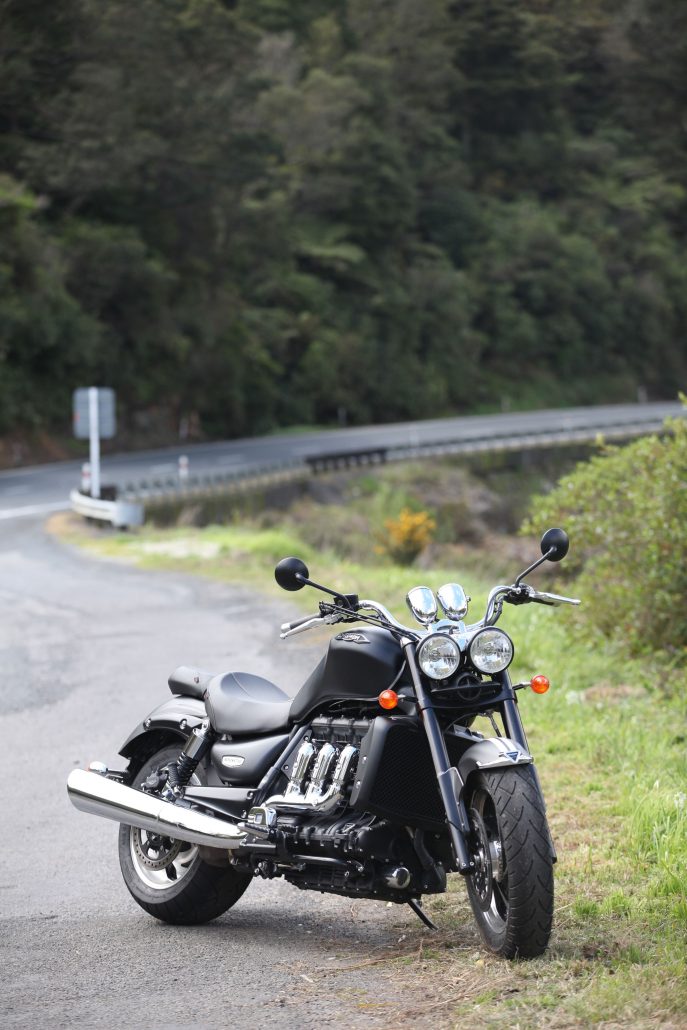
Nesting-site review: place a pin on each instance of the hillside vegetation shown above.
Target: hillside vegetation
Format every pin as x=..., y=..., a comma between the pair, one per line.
x=244, y=215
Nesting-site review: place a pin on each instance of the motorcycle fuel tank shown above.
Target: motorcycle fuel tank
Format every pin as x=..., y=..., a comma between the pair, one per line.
x=359, y=664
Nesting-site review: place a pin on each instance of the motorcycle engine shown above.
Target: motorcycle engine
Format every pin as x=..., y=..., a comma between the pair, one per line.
x=324, y=844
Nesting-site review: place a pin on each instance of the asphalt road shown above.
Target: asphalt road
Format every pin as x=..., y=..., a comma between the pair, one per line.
x=27, y=492
x=85, y=649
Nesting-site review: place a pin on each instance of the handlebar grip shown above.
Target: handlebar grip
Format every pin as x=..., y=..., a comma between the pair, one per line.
x=288, y=626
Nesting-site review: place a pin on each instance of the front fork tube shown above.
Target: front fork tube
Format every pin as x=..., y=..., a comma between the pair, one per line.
x=512, y=723
x=449, y=782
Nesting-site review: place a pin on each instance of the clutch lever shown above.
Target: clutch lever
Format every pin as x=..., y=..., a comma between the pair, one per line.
x=301, y=625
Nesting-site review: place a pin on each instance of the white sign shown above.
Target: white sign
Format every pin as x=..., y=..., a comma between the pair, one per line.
x=93, y=411
x=81, y=412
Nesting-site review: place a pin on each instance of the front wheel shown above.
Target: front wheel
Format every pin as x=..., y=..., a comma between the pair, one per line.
x=511, y=890
x=168, y=878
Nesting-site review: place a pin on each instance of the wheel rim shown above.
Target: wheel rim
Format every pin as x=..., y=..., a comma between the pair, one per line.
x=490, y=879
x=161, y=862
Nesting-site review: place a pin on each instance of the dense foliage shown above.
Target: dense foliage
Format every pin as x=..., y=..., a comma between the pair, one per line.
x=626, y=513
x=249, y=214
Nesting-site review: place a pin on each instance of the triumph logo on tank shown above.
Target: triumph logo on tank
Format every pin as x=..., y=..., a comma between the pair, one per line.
x=353, y=638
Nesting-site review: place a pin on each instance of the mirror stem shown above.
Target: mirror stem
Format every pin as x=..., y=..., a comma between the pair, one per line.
x=535, y=565
x=318, y=586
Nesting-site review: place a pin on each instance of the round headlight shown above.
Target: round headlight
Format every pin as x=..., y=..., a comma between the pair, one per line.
x=491, y=650
x=438, y=656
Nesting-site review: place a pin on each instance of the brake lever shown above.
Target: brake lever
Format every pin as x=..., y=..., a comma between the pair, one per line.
x=554, y=600
x=524, y=594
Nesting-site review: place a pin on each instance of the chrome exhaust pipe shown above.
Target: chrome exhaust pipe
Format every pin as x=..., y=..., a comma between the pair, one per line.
x=94, y=793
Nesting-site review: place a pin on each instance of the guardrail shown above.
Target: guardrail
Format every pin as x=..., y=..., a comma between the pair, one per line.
x=121, y=514
x=153, y=489
x=136, y=496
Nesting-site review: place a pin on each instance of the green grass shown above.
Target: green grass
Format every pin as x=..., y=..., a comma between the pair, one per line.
x=611, y=755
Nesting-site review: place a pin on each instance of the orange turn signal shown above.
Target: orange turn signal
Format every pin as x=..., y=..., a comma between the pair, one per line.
x=388, y=699
x=540, y=684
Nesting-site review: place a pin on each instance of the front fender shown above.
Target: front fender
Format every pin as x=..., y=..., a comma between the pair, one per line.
x=174, y=718
x=491, y=753
x=494, y=753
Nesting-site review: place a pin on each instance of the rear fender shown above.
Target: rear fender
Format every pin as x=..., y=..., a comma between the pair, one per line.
x=172, y=720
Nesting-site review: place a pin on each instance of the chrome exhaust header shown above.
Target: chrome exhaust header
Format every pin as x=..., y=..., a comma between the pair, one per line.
x=96, y=794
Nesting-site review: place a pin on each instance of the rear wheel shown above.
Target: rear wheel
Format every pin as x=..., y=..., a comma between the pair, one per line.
x=511, y=890
x=168, y=878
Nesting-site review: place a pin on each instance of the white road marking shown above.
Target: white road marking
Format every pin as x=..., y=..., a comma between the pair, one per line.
x=33, y=509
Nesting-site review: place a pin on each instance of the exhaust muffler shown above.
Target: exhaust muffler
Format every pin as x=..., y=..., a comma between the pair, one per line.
x=94, y=793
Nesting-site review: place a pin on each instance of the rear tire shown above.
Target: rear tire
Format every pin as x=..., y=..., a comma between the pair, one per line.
x=168, y=878
x=511, y=890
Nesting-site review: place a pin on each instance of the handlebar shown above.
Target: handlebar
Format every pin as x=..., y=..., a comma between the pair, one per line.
x=387, y=617
x=523, y=594
x=329, y=618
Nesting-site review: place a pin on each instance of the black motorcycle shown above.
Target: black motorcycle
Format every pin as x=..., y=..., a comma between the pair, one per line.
x=373, y=782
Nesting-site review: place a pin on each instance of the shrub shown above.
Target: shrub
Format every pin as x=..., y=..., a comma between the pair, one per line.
x=407, y=535
x=626, y=512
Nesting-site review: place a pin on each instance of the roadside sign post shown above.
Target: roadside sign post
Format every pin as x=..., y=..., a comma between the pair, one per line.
x=93, y=410
x=94, y=438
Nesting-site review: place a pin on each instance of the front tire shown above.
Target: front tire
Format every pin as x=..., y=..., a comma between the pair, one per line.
x=168, y=878
x=511, y=890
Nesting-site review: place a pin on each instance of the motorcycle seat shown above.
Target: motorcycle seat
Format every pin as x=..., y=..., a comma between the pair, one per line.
x=241, y=704
x=189, y=682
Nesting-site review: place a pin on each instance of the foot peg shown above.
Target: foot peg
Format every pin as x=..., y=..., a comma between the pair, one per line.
x=261, y=821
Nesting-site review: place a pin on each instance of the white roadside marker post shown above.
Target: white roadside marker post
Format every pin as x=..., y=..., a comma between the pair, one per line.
x=94, y=438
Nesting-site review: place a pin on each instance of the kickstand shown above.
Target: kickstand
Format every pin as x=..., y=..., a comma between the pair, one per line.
x=417, y=909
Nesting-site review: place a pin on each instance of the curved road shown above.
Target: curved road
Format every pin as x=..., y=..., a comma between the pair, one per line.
x=29, y=491
x=85, y=649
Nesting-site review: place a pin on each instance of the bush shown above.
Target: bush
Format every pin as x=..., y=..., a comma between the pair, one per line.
x=407, y=536
x=626, y=513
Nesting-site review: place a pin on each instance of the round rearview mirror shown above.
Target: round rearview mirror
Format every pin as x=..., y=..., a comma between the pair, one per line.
x=556, y=541
x=290, y=573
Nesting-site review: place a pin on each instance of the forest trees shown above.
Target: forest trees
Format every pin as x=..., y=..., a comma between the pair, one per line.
x=269, y=213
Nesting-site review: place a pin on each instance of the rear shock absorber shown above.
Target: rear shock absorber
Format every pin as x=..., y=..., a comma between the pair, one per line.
x=197, y=746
